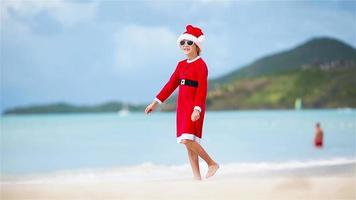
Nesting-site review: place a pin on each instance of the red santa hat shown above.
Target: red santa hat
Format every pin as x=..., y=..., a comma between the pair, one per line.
x=194, y=34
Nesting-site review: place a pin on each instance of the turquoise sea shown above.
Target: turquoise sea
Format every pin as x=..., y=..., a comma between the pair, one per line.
x=36, y=144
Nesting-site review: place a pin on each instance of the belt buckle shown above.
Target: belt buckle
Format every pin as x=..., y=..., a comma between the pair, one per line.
x=182, y=82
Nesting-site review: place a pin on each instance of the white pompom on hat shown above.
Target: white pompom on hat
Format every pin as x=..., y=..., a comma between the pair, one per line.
x=194, y=34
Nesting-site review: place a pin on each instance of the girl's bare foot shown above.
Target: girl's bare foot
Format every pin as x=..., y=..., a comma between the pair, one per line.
x=212, y=170
x=197, y=178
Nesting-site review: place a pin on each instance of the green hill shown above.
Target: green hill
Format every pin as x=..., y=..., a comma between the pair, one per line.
x=68, y=108
x=317, y=88
x=314, y=51
x=321, y=71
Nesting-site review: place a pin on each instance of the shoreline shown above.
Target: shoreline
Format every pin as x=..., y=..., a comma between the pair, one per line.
x=338, y=109
x=149, y=171
x=158, y=182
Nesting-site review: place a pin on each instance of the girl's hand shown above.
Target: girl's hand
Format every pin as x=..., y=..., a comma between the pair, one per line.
x=150, y=107
x=195, y=115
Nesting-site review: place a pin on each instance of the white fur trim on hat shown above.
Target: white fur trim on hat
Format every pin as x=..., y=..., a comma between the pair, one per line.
x=187, y=36
x=201, y=38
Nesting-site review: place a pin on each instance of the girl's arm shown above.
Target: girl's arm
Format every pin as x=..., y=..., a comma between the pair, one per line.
x=169, y=88
x=200, y=96
x=166, y=91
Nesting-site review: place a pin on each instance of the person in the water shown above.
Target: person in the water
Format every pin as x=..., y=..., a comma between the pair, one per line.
x=319, y=136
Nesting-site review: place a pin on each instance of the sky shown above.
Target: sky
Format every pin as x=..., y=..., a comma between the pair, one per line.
x=92, y=52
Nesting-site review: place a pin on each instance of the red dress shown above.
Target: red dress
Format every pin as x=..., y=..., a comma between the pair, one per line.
x=189, y=97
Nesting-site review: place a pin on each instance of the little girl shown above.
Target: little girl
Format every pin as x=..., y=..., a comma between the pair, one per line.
x=191, y=76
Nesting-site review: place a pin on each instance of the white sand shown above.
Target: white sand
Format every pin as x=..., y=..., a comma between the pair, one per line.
x=337, y=181
x=245, y=188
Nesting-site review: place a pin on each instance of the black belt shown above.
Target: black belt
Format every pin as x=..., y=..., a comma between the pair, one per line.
x=189, y=82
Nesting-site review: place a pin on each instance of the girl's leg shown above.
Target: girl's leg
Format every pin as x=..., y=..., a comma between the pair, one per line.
x=198, y=149
x=194, y=162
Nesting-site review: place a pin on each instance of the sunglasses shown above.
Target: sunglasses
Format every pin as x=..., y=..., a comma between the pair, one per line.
x=188, y=42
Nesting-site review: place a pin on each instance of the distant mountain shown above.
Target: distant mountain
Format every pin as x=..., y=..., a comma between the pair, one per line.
x=314, y=51
x=322, y=72
x=69, y=108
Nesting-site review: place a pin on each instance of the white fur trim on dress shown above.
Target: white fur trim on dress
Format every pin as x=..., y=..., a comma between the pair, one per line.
x=159, y=101
x=197, y=108
x=196, y=58
x=187, y=36
x=188, y=136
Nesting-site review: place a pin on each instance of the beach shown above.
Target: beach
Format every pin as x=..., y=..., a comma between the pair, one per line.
x=318, y=182
x=271, y=188
x=142, y=100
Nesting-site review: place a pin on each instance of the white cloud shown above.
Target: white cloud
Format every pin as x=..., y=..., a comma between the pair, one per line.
x=141, y=51
x=66, y=13
x=144, y=47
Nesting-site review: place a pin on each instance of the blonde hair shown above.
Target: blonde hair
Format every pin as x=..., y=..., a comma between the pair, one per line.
x=198, y=49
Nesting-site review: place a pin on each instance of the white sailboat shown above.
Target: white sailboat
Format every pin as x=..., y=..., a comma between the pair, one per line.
x=124, y=110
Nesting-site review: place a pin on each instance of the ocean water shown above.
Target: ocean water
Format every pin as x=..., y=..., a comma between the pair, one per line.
x=241, y=140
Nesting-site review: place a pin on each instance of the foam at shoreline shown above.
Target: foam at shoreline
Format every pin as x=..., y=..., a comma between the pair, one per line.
x=153, y=172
